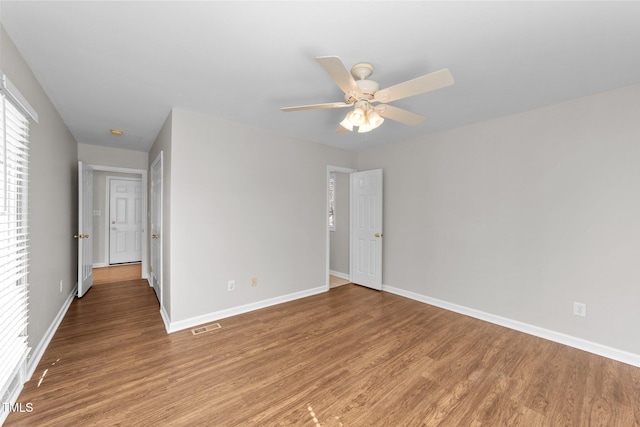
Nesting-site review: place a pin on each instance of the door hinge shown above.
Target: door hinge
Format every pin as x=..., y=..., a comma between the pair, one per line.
x=150, y=269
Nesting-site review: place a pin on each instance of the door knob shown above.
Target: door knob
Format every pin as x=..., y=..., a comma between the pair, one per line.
x=85, y=236
x=378, y=235
x=155, y=236
x=75, y=236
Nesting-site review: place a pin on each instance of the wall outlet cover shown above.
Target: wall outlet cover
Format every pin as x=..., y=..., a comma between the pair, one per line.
x=580, y=309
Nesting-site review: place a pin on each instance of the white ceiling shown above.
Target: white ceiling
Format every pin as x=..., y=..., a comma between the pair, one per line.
x=126, y=64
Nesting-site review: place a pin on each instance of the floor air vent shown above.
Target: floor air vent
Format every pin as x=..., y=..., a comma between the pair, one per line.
x=206, y=328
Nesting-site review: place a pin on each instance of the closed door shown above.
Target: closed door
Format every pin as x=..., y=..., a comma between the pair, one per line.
x=366, y=228
x=125, y=221
x=85, y=228
x=156, y=227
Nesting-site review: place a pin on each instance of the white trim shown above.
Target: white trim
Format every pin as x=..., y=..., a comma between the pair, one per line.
x=100, y=265
x=331, y=169
x=165, y=316
x=234, y=311
x=338, y=274
x=119, y=169
x=143, y=177
x=36, y=355
x=575, y=342
x=12, y=399
x=12, y=92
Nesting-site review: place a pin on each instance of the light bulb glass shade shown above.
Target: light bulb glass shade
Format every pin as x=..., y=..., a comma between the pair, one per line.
x=372, y=122
x=365, y=127
x=346, y=123
x=357, y=116
x=374, y=119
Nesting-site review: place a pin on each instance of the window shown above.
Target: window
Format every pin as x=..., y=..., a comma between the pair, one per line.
x=332, y=202
x=14, y=246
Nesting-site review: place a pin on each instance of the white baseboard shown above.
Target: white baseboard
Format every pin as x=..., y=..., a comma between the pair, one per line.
x=38, y=352
x=234, y=311
x=344, y=276
x=579, y=343
x=165, y=318
x=100, y=265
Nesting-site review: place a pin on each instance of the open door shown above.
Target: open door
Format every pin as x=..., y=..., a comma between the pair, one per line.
x=85, y=228
x=366, y=228
x=156, y=227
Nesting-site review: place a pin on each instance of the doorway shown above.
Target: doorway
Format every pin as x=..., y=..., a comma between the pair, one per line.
x=338, y=231
x=101, y=213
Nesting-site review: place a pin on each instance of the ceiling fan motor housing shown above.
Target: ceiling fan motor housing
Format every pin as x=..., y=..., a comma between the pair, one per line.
x=368, y=88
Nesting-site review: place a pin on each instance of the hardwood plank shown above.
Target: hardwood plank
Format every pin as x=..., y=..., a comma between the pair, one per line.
x=348, y=357
x=335, y=281
x=117, y=273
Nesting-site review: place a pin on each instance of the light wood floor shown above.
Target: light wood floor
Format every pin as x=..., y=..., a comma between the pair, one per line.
x=348, y=357
x=116, y=273
x=335, y=281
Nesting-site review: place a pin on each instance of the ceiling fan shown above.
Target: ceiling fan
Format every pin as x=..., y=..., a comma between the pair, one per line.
x=362, y=94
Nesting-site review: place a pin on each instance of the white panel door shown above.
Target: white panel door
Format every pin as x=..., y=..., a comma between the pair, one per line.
x=125, y=221
x=156, y=226
x=85, y=228
x=366, y=228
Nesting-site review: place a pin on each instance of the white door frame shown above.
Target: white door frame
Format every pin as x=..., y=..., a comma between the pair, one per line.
x=331, y=169
x=107, y=229
x=143, y=177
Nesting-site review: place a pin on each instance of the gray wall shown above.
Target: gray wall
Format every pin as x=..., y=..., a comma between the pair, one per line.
x=523, y=215
x=339, y=239
x=52, y=199
x=256, y=202
x=114, y=157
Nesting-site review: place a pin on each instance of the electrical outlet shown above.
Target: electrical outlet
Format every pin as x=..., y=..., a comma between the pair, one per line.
x=231, y=285
x=254, y=281
x=580, y=309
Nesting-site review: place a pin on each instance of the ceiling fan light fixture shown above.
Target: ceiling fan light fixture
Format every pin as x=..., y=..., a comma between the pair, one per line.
x=360, y=93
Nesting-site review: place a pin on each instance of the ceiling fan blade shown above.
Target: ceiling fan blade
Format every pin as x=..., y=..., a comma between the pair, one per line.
x=317, y=106
x=333, y=66
x=428, y=82
x=399, y=115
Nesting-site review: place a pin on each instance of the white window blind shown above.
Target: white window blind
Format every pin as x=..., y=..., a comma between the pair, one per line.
x=332, y=202
x=14, y=247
